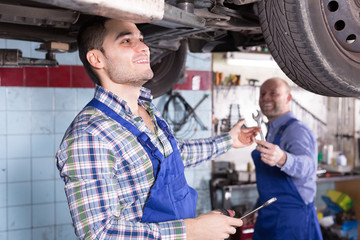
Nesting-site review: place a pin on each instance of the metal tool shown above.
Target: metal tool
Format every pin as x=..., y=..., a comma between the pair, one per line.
x=258, y=119
x=268, y=202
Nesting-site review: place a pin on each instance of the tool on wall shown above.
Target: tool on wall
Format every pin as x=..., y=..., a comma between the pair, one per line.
x=181, y=106
x=234, y=116
x=252, y=81
x=218, y=78
x=230, y=80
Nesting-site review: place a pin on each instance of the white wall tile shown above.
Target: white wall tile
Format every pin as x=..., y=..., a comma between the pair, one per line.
x=3, y=197
x=65, y=232
x=42, y=122
x=198, y=61
x=59, y=191
x=44, y=233
x=43, y=168
x=2, y=98
x=3, y=235
x=19, y=170
x=43, y=192
x=18, y=98
x=42, y=146
x=62, y=213
x=20, y=234
x=3, y=147
x=68, y=58
x=3, y=123
x=3, y=220
x=19, y=194
x=3, y=170
x=42, y=99
x=18, y=146
x=43, y=215
x=63, y=120
x=19, y=218
x=84, y=95
x=34, y=53
x=18, y=122
x=65, y=99
x=24, y=46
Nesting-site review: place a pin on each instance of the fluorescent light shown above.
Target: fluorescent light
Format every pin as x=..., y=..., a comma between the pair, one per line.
x=250, y=60
x=252, y=63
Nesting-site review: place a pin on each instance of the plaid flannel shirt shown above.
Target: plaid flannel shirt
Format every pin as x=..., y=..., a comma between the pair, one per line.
x=108, y=174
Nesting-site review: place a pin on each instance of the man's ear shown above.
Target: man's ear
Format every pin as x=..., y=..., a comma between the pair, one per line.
x=289, y=97
x=94, y=57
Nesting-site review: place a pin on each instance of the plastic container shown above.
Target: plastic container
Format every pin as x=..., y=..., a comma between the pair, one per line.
x=337, y=201
x=324, y=151
x=342, y=161
x=329, y=154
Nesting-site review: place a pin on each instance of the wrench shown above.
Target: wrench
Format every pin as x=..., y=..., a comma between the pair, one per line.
x=258, y=119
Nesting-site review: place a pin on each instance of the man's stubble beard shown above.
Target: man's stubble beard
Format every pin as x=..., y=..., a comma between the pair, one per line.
x=135, y=79
x=269, y=113
x=132, y=79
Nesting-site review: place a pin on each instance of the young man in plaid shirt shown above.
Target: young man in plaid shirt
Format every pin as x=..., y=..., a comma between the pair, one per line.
x=123, y=169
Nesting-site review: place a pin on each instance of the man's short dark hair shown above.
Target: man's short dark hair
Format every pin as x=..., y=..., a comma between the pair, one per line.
x=91, y=36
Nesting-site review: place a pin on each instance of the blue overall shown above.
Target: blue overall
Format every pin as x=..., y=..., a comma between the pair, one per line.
x=289, y=217
x=171, y=198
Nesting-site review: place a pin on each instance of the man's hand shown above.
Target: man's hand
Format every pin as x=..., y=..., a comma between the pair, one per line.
x=271, y=154
x=211, y=226
x=243, y=137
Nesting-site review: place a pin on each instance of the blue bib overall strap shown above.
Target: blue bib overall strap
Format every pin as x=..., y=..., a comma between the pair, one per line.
x=171, y=198
x=289, y=217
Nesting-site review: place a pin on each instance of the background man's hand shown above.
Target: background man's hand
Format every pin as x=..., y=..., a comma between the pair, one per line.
x=211, y=226
x=271, y=154
x=243, y=137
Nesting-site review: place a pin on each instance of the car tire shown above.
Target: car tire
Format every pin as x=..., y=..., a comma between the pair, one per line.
x=302, y=41
x=168, y=71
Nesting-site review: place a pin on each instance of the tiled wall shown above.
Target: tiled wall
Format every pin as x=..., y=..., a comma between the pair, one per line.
x=33, y=121
x=36, y=107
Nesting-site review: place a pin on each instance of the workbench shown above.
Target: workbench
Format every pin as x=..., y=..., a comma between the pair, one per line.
x=348, y=184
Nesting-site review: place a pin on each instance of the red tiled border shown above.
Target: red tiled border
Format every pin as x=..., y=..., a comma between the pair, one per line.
x=60, y=76
x=68, y=76
x=63, y=76
x=12, y=77
x=36, y=77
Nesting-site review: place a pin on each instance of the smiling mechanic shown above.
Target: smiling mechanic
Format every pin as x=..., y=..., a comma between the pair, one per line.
x=122, y=167
x=285, y=167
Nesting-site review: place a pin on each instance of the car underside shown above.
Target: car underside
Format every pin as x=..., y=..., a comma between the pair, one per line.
x=316, y=43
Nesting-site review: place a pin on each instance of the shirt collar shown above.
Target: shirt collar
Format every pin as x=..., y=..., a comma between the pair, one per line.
x=278, y=122
x=145, y=94
x=115, y=102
